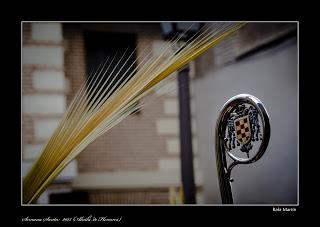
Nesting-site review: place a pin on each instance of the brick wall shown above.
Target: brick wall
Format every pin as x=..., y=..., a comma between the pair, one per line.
x=146, y=141
x=138, y=196
x=44, y=87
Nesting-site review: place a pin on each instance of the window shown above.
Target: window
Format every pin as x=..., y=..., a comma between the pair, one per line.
x=114, y=51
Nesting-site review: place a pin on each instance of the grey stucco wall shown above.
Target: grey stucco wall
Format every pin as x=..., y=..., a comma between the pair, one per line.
x=271, y=76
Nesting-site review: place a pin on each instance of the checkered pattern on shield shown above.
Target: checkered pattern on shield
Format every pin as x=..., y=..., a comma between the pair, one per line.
x=242, y=128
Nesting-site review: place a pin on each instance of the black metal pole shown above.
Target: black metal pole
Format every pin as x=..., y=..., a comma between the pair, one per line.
x=187, y=172
x=224, y=182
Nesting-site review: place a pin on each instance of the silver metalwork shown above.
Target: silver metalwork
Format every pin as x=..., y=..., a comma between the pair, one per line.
x=243, y=126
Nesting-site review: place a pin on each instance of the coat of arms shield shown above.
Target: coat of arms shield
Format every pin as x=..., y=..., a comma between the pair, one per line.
x=243, y=129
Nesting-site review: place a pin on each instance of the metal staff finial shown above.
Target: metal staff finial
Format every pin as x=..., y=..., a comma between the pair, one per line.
x=242, y=127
